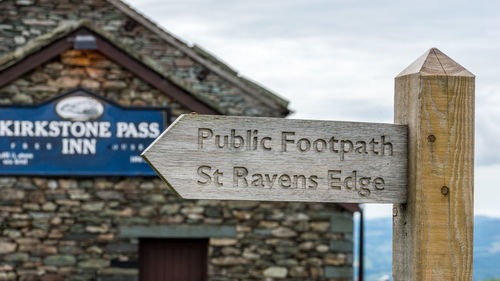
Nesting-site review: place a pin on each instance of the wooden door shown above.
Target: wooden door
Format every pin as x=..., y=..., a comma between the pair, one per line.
x=173, y=259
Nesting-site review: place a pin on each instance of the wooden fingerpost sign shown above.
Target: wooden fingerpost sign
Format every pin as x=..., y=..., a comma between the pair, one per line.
x=423, y=164
x=432, y=233
x=276, y=159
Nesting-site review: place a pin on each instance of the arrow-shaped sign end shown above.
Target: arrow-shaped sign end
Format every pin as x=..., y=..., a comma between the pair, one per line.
x=150, y=151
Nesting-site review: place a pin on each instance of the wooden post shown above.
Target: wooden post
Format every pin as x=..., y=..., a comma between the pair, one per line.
x=432, y=234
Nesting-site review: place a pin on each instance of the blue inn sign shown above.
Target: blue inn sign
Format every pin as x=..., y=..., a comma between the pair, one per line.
x=78, y=133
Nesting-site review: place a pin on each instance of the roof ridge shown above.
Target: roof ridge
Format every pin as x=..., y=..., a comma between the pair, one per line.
x=214, y=59
x=10, y=58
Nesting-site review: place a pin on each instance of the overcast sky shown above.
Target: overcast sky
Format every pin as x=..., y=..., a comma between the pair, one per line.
x=337, y=59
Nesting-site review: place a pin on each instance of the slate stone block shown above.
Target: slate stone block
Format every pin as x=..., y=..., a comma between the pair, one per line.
x=341, y=246
x=338, y=272
x=341, y=222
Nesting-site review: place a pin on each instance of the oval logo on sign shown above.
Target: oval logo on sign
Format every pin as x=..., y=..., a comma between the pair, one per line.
x=79, y=108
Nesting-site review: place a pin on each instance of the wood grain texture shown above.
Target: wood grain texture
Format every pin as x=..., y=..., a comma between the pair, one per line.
x=432, y=233
x=285, y=160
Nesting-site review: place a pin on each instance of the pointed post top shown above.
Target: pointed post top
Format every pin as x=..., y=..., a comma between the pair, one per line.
x=434, y=62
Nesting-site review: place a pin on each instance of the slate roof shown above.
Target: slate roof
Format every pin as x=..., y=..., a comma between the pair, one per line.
x=247, y=88
x=201, y=56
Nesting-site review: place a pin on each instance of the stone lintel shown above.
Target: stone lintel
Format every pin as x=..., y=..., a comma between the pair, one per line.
x=177, y=231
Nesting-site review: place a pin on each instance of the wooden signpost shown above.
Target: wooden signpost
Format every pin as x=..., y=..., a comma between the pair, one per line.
x=432, y=237
x=424, y=165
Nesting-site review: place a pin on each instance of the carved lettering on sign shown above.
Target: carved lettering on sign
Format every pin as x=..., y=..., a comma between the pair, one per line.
x=250, y=140
x=336, y=180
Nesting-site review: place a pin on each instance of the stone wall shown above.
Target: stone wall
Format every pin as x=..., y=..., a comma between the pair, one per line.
x=87, y=69
x=83, y=229
x=23, y=20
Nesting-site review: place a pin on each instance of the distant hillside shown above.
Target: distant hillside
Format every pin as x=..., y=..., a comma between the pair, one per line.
x=486, y=248
x=378, y=248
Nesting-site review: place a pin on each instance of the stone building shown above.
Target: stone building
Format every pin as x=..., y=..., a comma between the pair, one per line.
x=69, y=225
